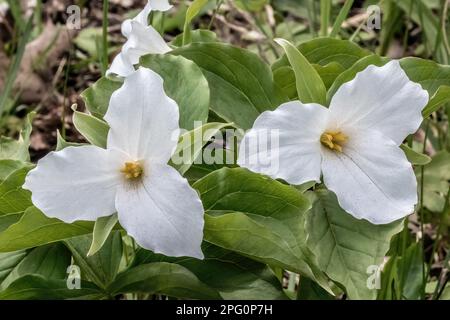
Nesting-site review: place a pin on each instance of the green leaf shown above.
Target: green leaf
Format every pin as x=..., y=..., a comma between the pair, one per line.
x=241, y=84
x=9, y=261
x=183, y=82
x=258, y=217
x=310, y=87
x=200, y=35
x=61, y=143
x=346, y=247
x=9, y=166
x=93, y=129
x=102, y=267
x=193, y=10
x=440, y=98
x=49, y=261
x=435, y=183
x=191, y=143
x=36, y=287
x=35, y=229
x=14, y=199
x=232, y=275
x=162, y=278
x=414, y=157
x=410, y=270
x=332, y=54
x=102, y=228
x=97, y=96
x=18, y=149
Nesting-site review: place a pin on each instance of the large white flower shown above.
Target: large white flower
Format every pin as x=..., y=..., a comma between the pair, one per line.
x=154, y=203
x=142, y=39
x=354, y=143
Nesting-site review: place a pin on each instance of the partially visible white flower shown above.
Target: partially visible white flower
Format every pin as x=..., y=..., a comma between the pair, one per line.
x=142, y=39
x=354, y=143
x=154, y=203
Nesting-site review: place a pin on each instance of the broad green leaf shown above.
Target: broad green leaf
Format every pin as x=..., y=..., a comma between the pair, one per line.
x=193, y=10
x=241, y=83
x=309, y=290
x=9, y=166
x=18, y=149
x=232, y=275
x=183, y=82
x=258, y=217
x=436, y=181
x=323, y=51
x=10, y=260
x=414, y=157
x=35, y=229
x=330, y=57
x=97, y=96
x=200, y=35
x=36, y=287
x=440, y=98
x=162, y=278
x=223, y=158
x=8, y=220
x=310, y=87
x=191, y=143
x=14, y=199
x=93, y=129
x=102, y=267
x=102, y=228
x=329, y=72
x=49, y=261
x=346, y=247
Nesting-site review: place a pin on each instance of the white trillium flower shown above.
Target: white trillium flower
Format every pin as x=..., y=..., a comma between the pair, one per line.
x=154, y=203
x=354, y=143
x=142, y=39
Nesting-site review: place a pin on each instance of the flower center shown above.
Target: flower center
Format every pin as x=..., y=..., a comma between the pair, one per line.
x=333, y=140
x=132, y=170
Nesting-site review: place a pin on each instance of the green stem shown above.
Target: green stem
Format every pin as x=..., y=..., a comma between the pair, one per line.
x=341, y=17
x=325, y=10
x=422, y=179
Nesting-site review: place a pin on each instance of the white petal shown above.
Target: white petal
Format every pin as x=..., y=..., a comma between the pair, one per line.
x=143, y=120
x=120, y=66
x=372, y=178
x=294, y=152
x=142, y=17
x=162, y=213
x=143, y=40
x=77, y=183
x=380, y=98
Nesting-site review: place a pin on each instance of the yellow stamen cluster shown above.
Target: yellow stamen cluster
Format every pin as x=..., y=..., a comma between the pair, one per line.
x=333, y=140
x=132, y=170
